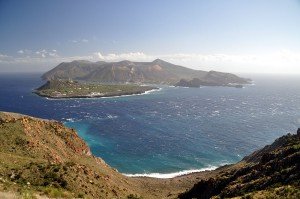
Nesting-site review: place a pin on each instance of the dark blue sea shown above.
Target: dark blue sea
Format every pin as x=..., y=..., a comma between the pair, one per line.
x=173, y=130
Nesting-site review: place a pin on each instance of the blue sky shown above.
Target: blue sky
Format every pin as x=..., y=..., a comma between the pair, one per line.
x=228, y=35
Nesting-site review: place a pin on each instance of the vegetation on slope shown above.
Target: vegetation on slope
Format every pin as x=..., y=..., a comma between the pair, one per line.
x=271, y=171
x=44, y=157
x=73, y=89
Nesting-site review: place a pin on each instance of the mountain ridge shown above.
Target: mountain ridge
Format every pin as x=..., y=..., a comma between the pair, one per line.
x=156, y=72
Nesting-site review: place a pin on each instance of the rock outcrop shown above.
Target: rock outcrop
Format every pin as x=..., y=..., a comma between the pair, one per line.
x=195, y=82
x=273, y=172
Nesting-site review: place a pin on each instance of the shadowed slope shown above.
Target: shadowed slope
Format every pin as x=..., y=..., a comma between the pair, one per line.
x=273, y=171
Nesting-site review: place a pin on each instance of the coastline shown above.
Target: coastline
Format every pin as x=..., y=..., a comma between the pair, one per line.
x=172, y=187
x=144, y=186
x=182, y=173
x=171, y=175
x=93, y=170
x=109, y=95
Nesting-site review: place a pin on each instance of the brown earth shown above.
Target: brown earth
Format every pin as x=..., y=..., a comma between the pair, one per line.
x=42, y=158
x=47, y=158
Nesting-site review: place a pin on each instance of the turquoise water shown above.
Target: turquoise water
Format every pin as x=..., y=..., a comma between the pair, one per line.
x=171, y=130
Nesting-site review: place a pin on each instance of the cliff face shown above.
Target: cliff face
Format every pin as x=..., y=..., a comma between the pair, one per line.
x=196, y=83
x=58, y=145
x=158, y=72
x=46, y=157
x=273, y=171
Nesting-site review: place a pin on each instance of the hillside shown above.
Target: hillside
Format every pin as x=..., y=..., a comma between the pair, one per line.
x=157, y=72
x=43, y=158
x=272, y=172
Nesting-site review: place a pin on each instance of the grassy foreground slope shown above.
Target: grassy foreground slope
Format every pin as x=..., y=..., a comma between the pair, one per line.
x=42, y=158
x=45, y=157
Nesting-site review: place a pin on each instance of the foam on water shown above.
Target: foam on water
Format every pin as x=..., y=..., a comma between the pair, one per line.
x=70, y=119
x=171, y=175
x=112, y=116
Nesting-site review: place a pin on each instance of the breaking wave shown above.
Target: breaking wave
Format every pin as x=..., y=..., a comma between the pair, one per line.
x=171, y=175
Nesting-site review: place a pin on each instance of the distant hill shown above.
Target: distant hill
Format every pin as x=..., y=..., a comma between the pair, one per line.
x=157, y=72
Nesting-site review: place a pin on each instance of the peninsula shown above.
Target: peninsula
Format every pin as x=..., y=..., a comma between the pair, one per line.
x=73, y=89
x=85, y=79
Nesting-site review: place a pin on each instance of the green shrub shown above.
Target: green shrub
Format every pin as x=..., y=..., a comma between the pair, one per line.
x=133, y=196
x=27, y=194
x=54, y=192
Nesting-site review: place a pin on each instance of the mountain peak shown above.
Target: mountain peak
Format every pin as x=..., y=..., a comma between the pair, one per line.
x=125, y=62
x=157, y=71
x=81, y=61
x=157, y=61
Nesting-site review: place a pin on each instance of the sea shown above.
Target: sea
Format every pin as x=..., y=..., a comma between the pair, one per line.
x=171, y=131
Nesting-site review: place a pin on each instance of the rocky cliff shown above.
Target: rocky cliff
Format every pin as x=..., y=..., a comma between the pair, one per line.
x=272, y=172
x=195, y=82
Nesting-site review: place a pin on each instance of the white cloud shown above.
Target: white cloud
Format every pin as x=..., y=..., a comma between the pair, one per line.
x=45, y=53
x=283, y=61
x=132, y=56
x=28, y=57
x=24, y=51
x=75, y=41
x=53, y=54
x=5, y=58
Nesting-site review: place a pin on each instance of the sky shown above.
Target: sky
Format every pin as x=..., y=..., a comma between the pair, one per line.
x=242, y=36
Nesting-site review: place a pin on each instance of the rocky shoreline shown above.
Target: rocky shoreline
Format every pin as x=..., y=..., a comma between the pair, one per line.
x=64, y=167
